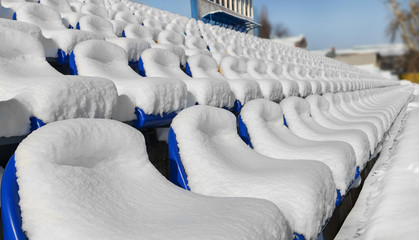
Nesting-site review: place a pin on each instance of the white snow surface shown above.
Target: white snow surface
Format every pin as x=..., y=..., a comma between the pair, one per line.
x=50, y=46
x=154, y=95
x=44, y=92
x=49, y=20
x=203, y=66
x=97, y=183
x=235, y=68
x=270, y=137
x=387, y=207
x=319, y=110
x=205, y=91
x=297, y=114
x=14, y=118
x=219, y=163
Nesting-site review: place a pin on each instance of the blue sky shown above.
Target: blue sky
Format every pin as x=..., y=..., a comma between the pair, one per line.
x=326, y=23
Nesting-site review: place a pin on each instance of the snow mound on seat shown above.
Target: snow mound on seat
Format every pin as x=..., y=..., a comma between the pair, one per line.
x=297, y=114
x=219, y=163
x=97, y=183
x=319, y=109
x=205, y=91
x=270, y=137
x=14, y=118
x=51, y=99
x=50, y=47
x=48, y=95
x=203, y=66
x=52, y=26
x=235, y=68
x=152, y=95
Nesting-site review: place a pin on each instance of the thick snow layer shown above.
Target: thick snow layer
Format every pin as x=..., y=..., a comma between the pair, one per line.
x=289, y=87
x=14, y=118
x=219, y=163
x=205, y=91
x=319, y=110
x=46, y=93
x=235, y=68
x=257, y=70
x=152, y=94
x=337, y=111
x=297, y=114
x=56, y=98
x=203, y=66
x=99, y=25
x=139, y=32
x=49, y=20
x=304, y=86
x=93, y=9
x=50, y=47
x=97, y=183
x=270, y=137
x=387, y=206
x=96, y=24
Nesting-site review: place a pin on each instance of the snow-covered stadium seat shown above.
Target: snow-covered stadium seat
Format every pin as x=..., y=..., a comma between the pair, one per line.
x=217, y=50
x=147, y=100
x=137, y=31
x=244, y=90
x=320, y=111
x=94, y=9
x=47, y=94
x=305, y=87
x=235, y=68
x=208, y=157
x=49, y=20
x=257, y=69
x=170, y=37
x=337, y=110
x=14, y=118
x=195, y=45
x=63, y=7
x=297, y=115
x=97, y=183
x=133, y=47
x=261, y=126
x=289, y=87
x=154, y=26
x=178, y=50
x=49, y=45
x=205, y=91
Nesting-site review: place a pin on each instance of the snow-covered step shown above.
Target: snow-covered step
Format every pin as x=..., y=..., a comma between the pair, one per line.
x=387, y=207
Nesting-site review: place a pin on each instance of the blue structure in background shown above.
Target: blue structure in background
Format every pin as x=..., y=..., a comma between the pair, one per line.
x=227, y=20
x=222, y=16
